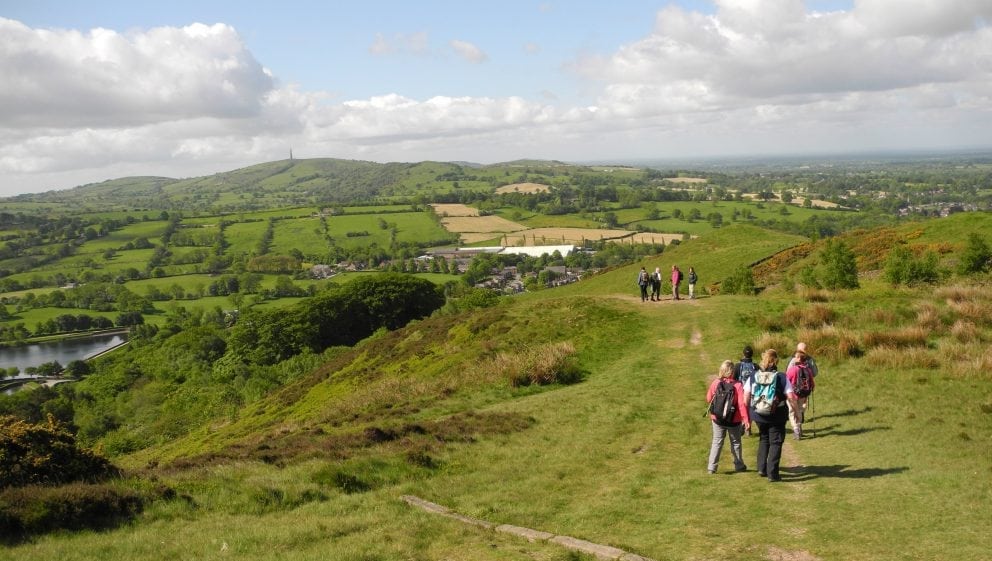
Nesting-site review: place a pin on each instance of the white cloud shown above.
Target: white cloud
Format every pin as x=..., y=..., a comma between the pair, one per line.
x=101, y=78
x=417, y=44
x=468, y=51
x=754, y=76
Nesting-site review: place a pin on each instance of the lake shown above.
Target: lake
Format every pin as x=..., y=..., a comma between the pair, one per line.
x=64, y=351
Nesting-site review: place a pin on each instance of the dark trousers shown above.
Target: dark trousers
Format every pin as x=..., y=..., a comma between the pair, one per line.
x=771, y=436
x=644, y=292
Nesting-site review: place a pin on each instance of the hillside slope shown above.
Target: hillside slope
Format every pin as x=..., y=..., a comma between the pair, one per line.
x=902, y=417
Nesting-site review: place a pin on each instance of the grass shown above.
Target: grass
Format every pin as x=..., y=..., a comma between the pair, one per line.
x=620, y=458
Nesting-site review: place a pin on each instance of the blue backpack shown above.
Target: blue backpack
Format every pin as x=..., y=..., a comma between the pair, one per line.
x=746, y=371
x=763, y=392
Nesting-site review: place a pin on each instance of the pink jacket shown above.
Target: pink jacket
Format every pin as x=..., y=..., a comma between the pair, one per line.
x=741, y=416
x=675, y=276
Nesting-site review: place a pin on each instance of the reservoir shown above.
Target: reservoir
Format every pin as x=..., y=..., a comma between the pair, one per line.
x=64, y=351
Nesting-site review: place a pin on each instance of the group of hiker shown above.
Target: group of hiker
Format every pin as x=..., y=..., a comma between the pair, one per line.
x=652, y=281
x=747, y=394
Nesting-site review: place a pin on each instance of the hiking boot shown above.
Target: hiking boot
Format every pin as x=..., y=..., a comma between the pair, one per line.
x=740, y=468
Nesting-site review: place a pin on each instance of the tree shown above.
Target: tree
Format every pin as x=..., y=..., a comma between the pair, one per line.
x=52, y=368
x=840, y=266
x=977, y=257
x=77, y=369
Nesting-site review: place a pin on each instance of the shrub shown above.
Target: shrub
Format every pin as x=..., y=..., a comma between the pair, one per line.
x=36, y=509
x=547, y=364
x=977, y=256
x=741, y=281
x=807, y=278
x=45, y=454
x=840, y=266
x=902, y=267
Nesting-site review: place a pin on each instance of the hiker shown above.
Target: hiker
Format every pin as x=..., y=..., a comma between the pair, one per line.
x=676, y=279
x=642, y=281
x=765, y=393
x=800, y=376
x=744, y=370
x=801, y=348
x=692, y=283
x=656, y=285
x=729, y=416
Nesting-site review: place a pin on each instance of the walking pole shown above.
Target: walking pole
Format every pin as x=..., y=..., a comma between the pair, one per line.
x=812, y=420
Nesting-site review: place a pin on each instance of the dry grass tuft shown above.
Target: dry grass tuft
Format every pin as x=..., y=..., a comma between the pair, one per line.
x=901, y=358
x=813, y=294
x=914, y=336
x=830, y=342
x=958, y=293
x=778, y=341
x=545, y=364
x=928, y=317
x=883, y=316
x=977, y=366
x=980, y=312
x=967, y=360
x=810, y=316
x=966, y=331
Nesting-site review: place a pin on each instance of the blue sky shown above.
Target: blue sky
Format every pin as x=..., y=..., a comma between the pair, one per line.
x=97, y=90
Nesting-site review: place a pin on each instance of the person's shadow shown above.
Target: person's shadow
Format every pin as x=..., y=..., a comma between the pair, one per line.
x=846, y=413
x=806, y=473
x=812, y=431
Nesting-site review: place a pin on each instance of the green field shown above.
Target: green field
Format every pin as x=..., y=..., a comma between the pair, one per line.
x=902, y=418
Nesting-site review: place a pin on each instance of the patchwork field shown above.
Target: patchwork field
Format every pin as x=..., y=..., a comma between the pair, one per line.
x=686, y=179
x=523, y=188
x=454, y=210
x=656, y=238
x=485, y=224
x=542, y=236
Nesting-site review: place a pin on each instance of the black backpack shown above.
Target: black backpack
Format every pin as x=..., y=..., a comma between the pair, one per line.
x=804, y=379
x=723, y=406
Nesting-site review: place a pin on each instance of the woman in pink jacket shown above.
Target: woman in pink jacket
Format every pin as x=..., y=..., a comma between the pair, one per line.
x=729, y=416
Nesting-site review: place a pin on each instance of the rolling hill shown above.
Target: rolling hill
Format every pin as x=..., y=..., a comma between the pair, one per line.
x=615, y=453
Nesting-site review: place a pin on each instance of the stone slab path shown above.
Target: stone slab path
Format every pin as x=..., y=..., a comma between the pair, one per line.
x=604, y=552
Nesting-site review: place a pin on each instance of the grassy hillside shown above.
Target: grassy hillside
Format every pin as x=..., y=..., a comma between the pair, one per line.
x=899, y=467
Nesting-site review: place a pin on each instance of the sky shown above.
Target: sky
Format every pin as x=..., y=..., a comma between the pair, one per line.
x=97, y=90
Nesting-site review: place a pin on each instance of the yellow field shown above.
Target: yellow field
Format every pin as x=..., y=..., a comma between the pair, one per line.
x=523, y=188
x=552, y=236
x=475, y=237
x=477, y=224
x=686, y=179
x=454, y=210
